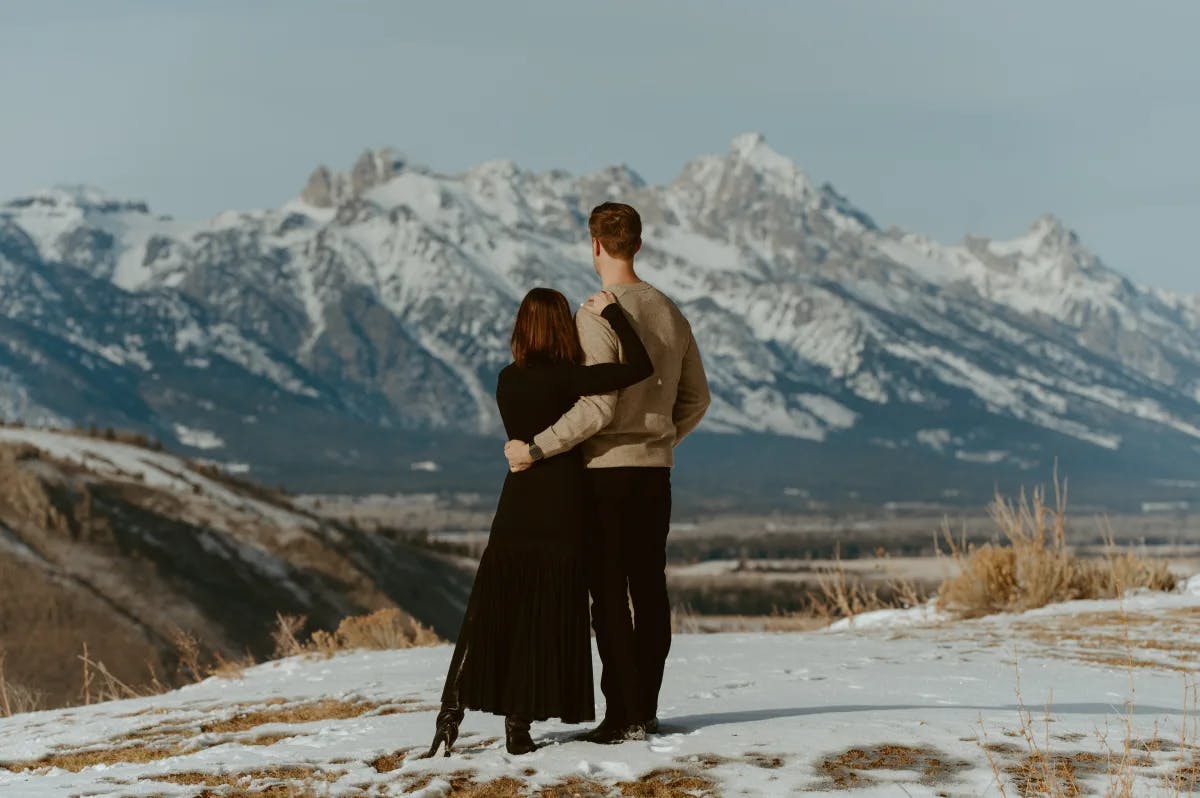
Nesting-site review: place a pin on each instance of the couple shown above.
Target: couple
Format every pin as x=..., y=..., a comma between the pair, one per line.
x=586, y=507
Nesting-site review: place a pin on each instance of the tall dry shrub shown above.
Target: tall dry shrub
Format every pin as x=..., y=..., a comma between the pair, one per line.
x=1034, y=566
x=385, y=629
x=382, y=630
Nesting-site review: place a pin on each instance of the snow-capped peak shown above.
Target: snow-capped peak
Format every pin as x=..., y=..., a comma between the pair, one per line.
x=747, y=144
x=1046, y=236
x=501, y=168
x=752, y=149
x=1048, y=225
x=82, y=197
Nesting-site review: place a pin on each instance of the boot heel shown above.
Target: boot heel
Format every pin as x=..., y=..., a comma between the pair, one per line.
x=446, y=733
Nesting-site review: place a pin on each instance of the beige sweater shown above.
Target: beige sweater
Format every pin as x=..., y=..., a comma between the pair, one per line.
x=641, y=425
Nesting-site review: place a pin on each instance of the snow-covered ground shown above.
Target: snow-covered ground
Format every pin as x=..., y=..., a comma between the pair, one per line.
x=899, y=704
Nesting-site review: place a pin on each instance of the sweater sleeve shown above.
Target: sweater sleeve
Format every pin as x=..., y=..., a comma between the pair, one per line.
x=606, y=377
x=692, y=397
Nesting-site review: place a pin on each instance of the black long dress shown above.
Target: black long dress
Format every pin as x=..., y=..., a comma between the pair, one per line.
x=525, y=646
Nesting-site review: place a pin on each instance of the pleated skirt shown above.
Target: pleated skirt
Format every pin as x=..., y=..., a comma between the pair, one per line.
x=525, y=644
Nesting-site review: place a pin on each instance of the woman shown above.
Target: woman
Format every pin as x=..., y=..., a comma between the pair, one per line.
x=524, y=650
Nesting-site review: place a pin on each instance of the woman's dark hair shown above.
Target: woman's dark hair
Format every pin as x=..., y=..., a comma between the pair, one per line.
x=544, y=331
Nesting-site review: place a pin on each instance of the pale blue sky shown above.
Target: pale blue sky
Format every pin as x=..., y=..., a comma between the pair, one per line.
x=940, y=117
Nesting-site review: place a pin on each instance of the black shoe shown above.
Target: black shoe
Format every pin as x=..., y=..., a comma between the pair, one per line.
x=516, y=736
x=613, y=733
x=605, y=728
x=446, y=733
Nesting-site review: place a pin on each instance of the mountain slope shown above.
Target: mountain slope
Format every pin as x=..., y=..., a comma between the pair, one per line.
x=361, y=326
x=118, y=546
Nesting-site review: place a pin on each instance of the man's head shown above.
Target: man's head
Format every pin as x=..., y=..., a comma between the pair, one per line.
x=616, y=232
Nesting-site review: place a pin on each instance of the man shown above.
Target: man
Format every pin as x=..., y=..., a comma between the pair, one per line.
x=628, y=441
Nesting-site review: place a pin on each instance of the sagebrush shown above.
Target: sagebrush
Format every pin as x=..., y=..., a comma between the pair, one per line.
x=1034, y=566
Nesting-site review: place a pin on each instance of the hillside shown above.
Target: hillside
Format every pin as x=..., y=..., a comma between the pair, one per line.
x=350, y=339
x=897, y=703
x=119, y=547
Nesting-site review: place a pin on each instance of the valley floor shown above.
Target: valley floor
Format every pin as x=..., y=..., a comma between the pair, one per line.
x=898, y=703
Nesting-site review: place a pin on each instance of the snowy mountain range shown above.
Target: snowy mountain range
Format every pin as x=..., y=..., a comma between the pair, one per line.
x=359, y=328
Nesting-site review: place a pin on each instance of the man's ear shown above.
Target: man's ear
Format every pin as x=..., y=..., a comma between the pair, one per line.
x=597, y=249
x=638, y=248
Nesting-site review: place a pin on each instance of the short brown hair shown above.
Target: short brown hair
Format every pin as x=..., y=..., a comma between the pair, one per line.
x=618, y=228
x=544, y=331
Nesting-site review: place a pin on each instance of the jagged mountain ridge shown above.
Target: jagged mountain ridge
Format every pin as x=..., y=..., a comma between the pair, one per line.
x=383, y=299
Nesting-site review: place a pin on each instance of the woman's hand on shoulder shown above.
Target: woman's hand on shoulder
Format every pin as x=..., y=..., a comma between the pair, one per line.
x=598, y=301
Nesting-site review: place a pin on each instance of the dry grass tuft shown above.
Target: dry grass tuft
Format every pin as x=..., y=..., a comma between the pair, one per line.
x=668, y=783
x=280, y=782
x=1037, y=770
x=304, y=774
x=77, y=760
x=415, y=783
x=839, y=596
x=143, y=745
x=264, y=740
x=1040, y=773
x=1035, y=567
x=324, y=709
x=191, y=665
x=1184, y=779
x=766, y=761
x=574, y=787
x=463, y=785
x=14, y=698
x=845, y=770
x=382, y=630
x=269, y=791
x=286, y=635
x=386, y=763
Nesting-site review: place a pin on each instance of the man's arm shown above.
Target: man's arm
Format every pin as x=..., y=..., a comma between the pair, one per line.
x=692, y=398
x=589, y=414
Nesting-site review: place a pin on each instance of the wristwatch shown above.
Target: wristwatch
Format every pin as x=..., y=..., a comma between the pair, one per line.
x=536, y=453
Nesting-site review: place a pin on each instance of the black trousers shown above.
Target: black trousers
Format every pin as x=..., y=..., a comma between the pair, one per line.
x=626, y=564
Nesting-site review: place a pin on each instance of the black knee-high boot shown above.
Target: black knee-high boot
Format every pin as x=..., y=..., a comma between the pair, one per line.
x=446, y=733
x=452, y=713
